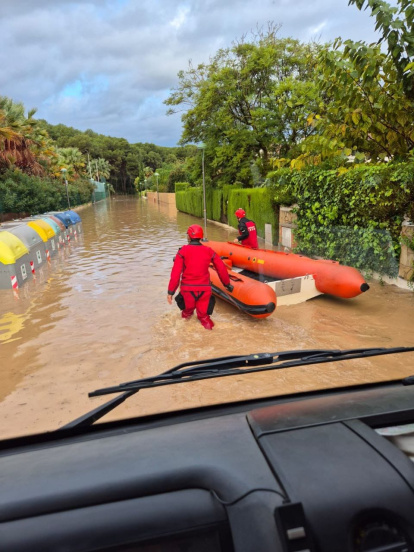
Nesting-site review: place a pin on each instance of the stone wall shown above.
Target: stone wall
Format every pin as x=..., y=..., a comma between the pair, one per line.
x=287, y=225
x=407, y=255
x=162, y=197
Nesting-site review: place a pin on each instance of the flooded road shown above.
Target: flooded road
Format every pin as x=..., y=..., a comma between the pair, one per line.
x=98, y=315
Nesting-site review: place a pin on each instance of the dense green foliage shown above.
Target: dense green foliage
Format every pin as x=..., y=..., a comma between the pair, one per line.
x=49, y=152
x=367, y=114
x=396, y=24
x=279, y=183
x=190, y=201
x=127, y=162
x=23, y=144
x=259, y=206
x=354, y=217
x=181, y=186
x=214, y=201
x=221, y=204
x=176, y=175
x=21, y=193
x=368, y=95
x=251, y=102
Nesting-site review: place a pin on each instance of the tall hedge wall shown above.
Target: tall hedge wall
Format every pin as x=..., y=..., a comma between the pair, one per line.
x=214, y=201
x=259, y=206
x=190, y=201
x=221, y=205
x=353, y=216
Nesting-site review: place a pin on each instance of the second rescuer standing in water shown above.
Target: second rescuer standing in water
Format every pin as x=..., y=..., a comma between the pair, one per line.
x=191, y=264
x=247, y=230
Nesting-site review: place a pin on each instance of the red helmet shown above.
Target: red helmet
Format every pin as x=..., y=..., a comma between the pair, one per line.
x=195, y=232
x=240, y=213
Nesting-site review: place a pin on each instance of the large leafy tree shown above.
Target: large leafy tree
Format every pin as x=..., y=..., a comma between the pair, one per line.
x=396, y=24
x=249, y=103
x=368, y=93
x=368, y=114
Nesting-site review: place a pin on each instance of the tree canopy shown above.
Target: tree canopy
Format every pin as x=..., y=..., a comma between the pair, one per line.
x=396, y=24
x=366, y=114
x=249, y=103
x=368, y=94
x=35, y=147
x=126, y=162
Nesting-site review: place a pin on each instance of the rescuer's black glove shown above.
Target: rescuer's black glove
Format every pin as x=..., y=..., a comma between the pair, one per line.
x=229, y=288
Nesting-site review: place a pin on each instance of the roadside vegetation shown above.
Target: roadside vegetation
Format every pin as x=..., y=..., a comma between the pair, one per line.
x=33, y=154
x=326, y=127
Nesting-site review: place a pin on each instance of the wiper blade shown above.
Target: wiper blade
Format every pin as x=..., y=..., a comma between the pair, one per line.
x=227, y=366
x=191, y=371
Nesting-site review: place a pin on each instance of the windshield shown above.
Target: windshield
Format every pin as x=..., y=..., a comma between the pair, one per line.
x=277, y=133
x=99, y=317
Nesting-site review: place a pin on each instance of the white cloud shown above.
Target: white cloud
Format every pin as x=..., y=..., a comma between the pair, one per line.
x=316, y=31
x=180, y=18
x=108, y=65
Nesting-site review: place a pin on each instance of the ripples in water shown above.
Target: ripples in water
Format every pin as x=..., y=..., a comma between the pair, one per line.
x=98, y=315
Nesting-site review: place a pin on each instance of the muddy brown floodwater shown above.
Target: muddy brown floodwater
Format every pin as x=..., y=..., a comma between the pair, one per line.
x=98, y=315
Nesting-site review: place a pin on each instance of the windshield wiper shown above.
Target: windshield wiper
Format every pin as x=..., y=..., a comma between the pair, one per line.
x=227, y=366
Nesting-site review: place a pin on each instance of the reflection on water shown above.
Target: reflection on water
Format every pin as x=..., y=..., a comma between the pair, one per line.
x=98, y=315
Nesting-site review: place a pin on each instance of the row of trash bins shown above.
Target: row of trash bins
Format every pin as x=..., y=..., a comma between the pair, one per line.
x=28, y=243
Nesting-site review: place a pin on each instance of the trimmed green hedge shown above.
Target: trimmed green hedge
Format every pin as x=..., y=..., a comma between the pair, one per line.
x=190, y=201
x=181, y=186
x=259, y=206
x=221, y=205
x=21, y=193
x=214, y=201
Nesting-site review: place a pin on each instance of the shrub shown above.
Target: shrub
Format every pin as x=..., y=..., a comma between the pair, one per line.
x=21, y=193
x=353, y=216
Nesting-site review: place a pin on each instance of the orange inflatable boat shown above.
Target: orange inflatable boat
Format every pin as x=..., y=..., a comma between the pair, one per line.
x=330, y=276
x=250, y=296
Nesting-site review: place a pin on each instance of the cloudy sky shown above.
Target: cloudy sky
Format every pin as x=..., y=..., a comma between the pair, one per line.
x=109, y=64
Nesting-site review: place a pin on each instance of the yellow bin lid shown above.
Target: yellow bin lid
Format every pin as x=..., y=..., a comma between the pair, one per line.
x=44, y=229
x=11, y=248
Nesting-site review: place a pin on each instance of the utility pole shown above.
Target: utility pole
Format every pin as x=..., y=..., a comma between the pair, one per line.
x=202, y=147
x=64, y=171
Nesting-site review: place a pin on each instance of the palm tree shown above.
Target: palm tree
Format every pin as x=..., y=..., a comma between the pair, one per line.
x=100, y=168
x=148, y=172
x=18, y=141
x=72, y=160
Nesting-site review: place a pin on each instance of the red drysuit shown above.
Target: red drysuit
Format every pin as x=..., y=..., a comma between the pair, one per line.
x=191, y=263
x=247, y=233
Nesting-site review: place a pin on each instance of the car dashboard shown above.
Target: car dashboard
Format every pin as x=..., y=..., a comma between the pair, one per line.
x=310, y=472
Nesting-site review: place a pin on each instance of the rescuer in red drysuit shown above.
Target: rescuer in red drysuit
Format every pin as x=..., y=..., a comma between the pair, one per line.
x=247, y=230
x=191, y=263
